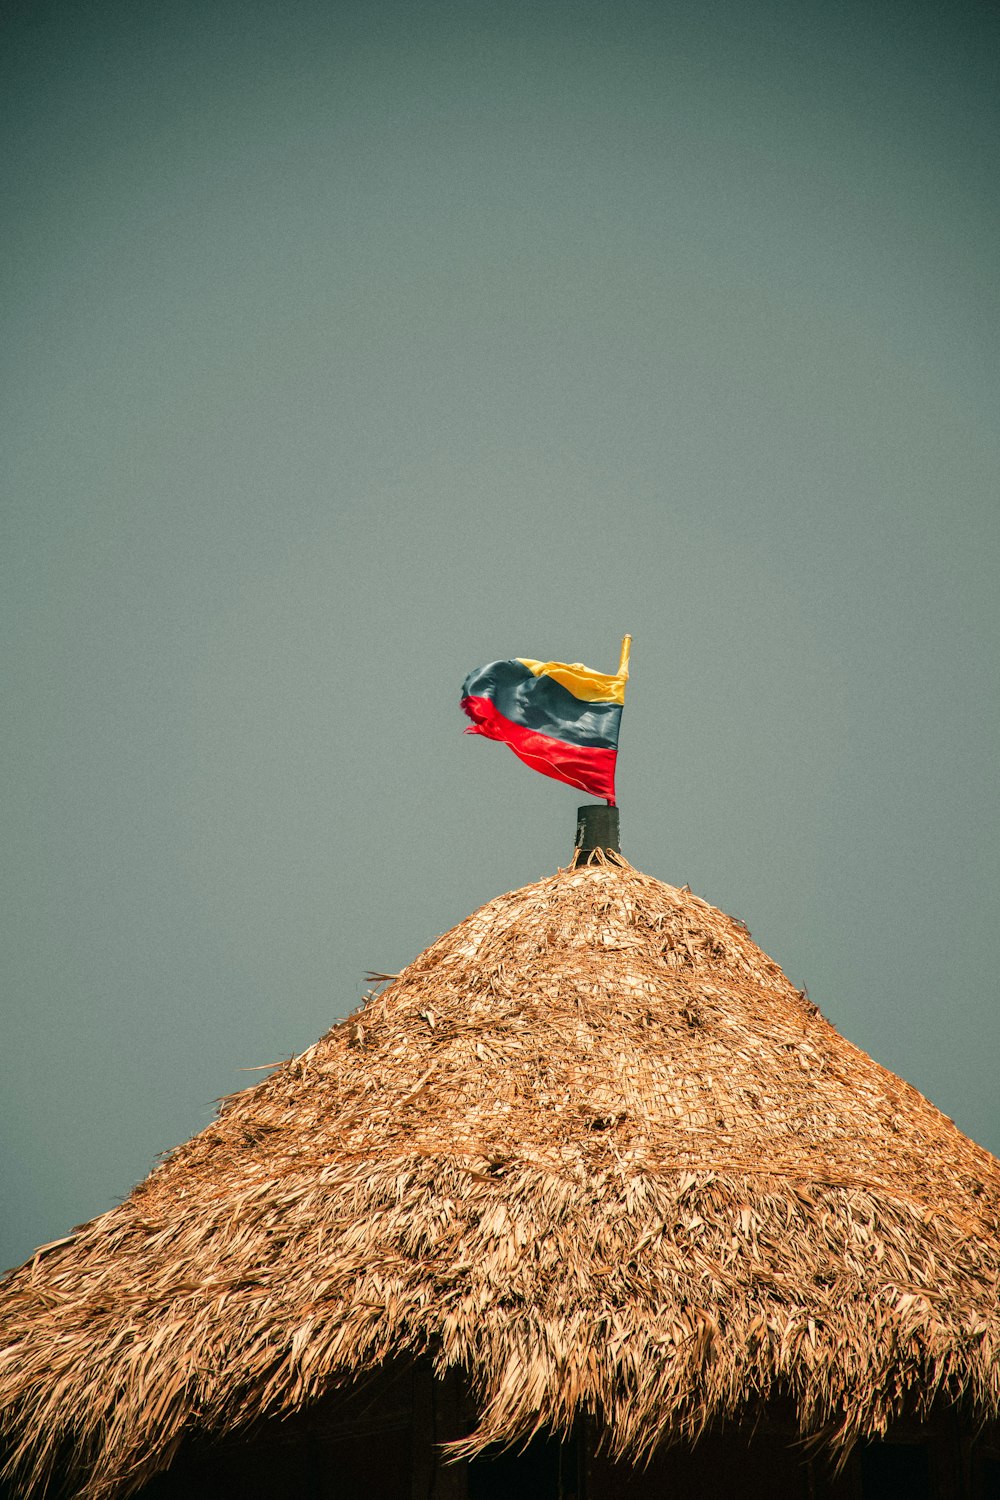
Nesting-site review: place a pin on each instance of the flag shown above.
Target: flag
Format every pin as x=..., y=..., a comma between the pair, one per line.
x=560, y=718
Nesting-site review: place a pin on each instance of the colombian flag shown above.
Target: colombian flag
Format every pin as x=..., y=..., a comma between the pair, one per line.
x=560, y=718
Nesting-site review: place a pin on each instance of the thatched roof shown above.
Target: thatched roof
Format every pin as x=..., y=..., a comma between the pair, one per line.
x=591, y=1147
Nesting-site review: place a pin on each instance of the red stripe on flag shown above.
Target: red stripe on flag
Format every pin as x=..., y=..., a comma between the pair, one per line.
x=587, y=767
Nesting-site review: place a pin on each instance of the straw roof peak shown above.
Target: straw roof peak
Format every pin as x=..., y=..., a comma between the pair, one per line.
x=591, y=1147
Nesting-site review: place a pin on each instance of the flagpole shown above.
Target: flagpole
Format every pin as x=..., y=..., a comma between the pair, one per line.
x=597, y=825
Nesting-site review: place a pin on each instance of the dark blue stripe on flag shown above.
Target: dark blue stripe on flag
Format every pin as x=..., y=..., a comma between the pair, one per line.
x=543, y=704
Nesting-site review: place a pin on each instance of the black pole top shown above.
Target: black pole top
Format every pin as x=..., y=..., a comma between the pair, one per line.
x=596, y=828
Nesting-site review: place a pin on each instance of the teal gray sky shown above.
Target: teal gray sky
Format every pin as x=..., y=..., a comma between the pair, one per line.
x=349, y=346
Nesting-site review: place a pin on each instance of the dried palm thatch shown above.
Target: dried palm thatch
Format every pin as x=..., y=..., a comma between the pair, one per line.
x=593, y=1148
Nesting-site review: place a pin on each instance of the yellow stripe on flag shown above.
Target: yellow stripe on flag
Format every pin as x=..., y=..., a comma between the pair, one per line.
x=590, y=687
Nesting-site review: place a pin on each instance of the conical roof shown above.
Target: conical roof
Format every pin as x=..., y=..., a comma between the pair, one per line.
x=591, y=1147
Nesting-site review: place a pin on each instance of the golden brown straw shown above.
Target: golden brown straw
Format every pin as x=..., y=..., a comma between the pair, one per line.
x=591, y=1147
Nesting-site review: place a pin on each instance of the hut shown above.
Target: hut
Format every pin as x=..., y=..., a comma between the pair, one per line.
x=589, y=1201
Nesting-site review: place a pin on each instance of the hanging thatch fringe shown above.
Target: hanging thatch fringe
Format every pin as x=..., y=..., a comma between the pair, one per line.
x=591, y=1147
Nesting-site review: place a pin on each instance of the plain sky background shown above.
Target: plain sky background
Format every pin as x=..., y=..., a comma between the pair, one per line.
x=349, y=346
